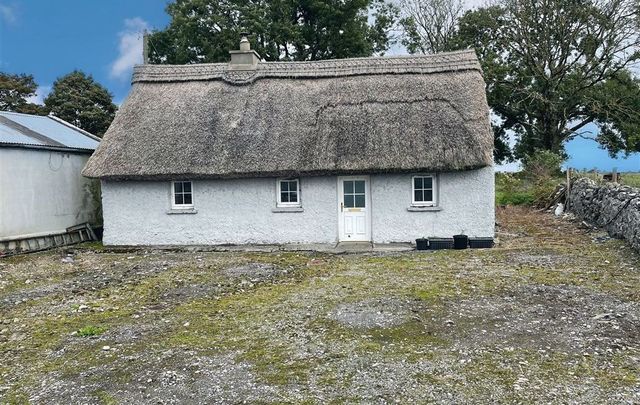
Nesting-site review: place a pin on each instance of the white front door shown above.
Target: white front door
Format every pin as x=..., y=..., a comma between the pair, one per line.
x=354, y=209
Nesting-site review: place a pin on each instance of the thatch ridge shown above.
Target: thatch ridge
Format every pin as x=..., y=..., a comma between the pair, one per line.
x=421, y=64
x=364, y=115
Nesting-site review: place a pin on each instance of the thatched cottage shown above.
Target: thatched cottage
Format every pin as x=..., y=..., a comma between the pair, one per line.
x=367, y=149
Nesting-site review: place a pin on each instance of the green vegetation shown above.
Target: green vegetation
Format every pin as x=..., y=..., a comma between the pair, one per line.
x=630, y=179
x=513, y=189
x=546, y=87
x=521, y=188
x=105, y=398
x=14, y=92
x=78, y=99
x=540, y=176
x=88, y=331
x=203, y=31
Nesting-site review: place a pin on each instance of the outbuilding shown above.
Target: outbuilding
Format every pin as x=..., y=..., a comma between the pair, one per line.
x=380, y=149
x=42, y=191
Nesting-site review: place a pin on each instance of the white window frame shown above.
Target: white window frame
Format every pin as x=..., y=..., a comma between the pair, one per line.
x=173, y=196
x=279, y=201
x=434, y=191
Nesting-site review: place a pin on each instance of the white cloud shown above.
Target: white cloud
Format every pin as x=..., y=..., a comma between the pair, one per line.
x=41, y=93
x=129, y=47
x=8, y=14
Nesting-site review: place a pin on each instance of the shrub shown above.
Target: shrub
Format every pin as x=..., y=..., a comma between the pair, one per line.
x=543, y=189
x=511, y=189
x=544, y=169
x=542, y=165
x=520, y=198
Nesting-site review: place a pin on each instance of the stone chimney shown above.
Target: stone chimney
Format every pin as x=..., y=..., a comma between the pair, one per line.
x=245, y=58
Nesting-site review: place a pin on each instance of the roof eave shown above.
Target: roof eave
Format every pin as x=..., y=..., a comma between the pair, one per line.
x=275, y=174
x=45, y=147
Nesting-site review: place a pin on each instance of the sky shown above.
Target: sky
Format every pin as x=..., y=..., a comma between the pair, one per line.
x=49, y=39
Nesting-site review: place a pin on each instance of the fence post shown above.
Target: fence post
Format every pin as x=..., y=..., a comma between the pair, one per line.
x=568, y=190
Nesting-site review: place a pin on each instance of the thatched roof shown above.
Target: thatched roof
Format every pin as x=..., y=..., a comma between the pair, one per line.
x=364, y=115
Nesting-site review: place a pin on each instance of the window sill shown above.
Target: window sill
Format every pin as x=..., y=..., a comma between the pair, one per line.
x=424, y=208
x=287, y=209
x=177, y=211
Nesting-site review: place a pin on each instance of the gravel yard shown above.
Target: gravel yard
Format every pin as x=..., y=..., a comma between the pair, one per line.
x=550, y=315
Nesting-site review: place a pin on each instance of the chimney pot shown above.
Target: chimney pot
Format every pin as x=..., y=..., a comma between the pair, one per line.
x=245, y=45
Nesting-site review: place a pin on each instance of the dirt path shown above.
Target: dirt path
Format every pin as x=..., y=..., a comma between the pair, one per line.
x=550, y=315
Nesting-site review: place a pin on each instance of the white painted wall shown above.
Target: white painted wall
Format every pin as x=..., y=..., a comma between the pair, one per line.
x=466, y=199
x=240, y=211
x=42, y=192
x=228, y=211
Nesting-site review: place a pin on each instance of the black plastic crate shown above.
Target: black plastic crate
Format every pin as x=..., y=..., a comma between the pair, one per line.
x=422, y=244
x=440, y=243
x=480, y=243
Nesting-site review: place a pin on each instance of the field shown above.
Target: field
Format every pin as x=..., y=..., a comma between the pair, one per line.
x=552, y=314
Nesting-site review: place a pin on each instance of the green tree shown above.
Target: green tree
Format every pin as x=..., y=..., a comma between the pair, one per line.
x=555, y=66
x=78, y=99
x=14, y=91
x=205, y=30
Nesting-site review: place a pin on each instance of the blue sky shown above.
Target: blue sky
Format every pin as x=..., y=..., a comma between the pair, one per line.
x=49, y=38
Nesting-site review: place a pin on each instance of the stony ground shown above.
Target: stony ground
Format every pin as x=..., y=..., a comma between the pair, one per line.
x=551, y=315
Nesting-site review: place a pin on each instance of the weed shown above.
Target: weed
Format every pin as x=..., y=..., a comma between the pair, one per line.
x=91, y=330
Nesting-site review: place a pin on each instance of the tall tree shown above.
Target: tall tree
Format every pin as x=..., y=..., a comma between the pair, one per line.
x=429, y=25
x=14, y=92
x=78, y=99
x=205, y=30
x=554, y=66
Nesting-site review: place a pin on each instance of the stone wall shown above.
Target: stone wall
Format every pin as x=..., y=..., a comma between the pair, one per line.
x=611, y=206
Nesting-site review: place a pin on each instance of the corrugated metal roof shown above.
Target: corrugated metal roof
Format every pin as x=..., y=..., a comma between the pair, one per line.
x=12, y=135
x=16, y=128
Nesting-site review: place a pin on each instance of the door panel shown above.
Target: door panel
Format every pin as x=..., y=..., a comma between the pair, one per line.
x=354, y=211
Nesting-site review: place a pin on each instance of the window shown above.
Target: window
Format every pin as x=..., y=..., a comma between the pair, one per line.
x=288, y=192
x=354, y=194
x=182, y=195
x=423, y=190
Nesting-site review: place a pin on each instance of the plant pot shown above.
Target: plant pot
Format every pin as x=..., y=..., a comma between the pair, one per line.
x=481, y=243
x=440, y=243
x=422, y=244
x=460, y=241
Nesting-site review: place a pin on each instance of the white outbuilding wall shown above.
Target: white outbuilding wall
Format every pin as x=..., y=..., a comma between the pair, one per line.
x=240, y=211
x=42, y=192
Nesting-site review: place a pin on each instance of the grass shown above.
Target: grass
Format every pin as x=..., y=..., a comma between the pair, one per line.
x=630, y=179
x=88, y=331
